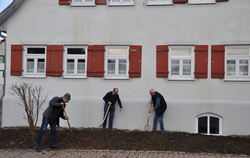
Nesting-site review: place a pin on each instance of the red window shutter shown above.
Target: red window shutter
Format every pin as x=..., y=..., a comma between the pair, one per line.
x=95, y=66
x=64, y=2
x=201, y=56
x=54, y=62
x=162, y=61
x=222, y=0
x=100, y=2
x=180, y=1
x=16, y=60
x=218, y=59
x=135, y=53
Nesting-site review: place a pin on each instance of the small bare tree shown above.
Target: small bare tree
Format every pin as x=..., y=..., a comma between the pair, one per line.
x=30, y=97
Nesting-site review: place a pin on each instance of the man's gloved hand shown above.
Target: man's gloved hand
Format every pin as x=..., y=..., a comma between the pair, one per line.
x=66, y=118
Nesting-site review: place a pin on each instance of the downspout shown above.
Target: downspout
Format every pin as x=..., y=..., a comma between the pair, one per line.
x=4, y=82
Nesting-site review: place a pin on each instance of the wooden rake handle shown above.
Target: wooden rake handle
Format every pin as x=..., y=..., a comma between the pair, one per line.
x=64, y=111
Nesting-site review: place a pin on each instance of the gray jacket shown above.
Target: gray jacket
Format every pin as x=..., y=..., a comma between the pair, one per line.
x=54, y=110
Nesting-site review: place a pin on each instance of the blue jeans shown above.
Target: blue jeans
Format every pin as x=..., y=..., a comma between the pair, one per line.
x=160, y=119
x=110, y=114
x=42, y=130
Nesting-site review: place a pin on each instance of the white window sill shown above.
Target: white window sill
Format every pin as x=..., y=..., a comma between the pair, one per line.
x=158, y=4
x=34, y=76
x=74, y=77
x=82, y=4
x=201, y=3
x=115, y=78
x=237, y=79
x=121, y=4
x=181, y=79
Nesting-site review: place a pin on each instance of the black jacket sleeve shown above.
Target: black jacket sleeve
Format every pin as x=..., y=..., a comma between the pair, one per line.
x=106, y=98
x=55, y=101
x=119, y=101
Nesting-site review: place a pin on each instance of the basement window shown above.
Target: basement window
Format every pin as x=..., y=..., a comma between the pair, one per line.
x=209, y=124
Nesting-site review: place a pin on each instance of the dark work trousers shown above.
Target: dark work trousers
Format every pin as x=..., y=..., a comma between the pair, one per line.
x=110, y=115
x=42, y=130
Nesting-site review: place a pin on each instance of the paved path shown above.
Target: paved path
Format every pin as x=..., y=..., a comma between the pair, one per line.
x=70, y=153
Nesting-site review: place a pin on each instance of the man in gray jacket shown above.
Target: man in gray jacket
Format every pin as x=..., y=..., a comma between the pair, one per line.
x=51, y=116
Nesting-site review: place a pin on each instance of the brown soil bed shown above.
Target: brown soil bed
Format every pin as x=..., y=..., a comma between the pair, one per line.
x=19, y=138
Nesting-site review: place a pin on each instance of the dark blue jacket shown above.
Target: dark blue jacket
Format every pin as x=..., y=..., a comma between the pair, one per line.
x=159, y=103
x=54, y=111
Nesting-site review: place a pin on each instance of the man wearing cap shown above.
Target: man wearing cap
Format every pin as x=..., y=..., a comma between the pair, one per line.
x=51, y=116
x=159, y=106
x=110, y=99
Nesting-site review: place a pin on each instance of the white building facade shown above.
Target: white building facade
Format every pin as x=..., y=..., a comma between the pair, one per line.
x=196, y=53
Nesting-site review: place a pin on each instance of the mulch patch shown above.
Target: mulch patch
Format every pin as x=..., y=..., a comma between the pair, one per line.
x=19, y=138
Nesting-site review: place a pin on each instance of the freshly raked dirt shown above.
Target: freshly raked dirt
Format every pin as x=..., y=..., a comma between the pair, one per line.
x=19, y=138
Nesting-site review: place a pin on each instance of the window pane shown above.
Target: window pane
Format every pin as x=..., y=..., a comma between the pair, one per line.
x=175, y=65
x=238, y=51
x=115, y=0
x=30, y=65
x=186, y=67
x=40, y=65
x=111, y=66
x=76, y=51
x=243, y=68
x=122, y=66
x=70, y=66
x=36, y=50
x=81, y=66
x=77, y=0
x=181, y=51
x=231, y=67
x=202, y=125
x=214, y=125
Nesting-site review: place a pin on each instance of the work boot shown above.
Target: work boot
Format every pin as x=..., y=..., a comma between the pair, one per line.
x=53, y=147
x=37, y=148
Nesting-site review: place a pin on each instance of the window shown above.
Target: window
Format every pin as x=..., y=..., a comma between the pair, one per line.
x=34, y=61
x=210, y=124
x=181, y=63
x=75, y=60
x=121, y=2
x=201, y=1
x=237, y=63
x=82, y=3
x=159, y=2
x=116, y=62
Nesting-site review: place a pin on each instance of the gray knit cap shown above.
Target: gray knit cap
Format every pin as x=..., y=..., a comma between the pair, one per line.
x=67, y=96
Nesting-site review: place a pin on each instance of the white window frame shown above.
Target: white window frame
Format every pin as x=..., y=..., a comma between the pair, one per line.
x=83, y=3
x=201, y=1
x=121, y=3
x=75, y=58
x=208, y=115
x=172, y=56
x=160, y=2
x=35, y=57
x=237, y=58
x=116, y=58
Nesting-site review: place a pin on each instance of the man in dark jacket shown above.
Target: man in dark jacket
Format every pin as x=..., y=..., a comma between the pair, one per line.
x=159, y=106
x=51, y=116
x=110, y=99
